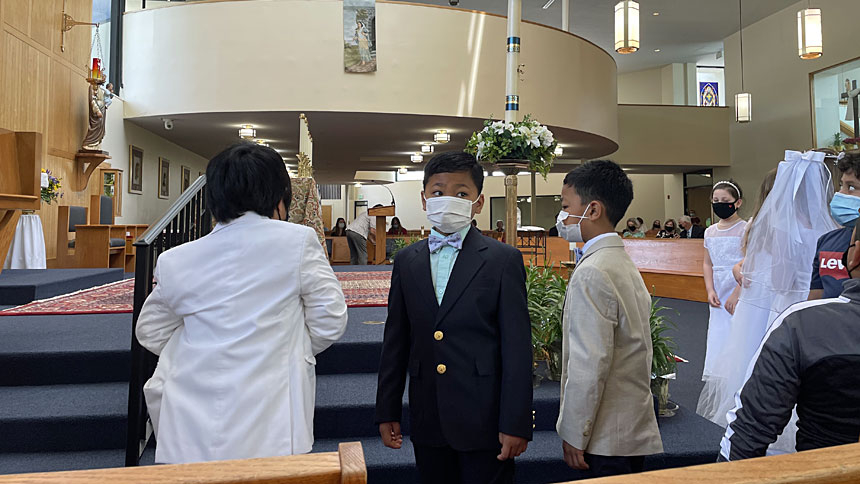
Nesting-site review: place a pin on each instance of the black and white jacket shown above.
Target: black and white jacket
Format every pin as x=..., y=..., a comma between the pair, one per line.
x=810, y=357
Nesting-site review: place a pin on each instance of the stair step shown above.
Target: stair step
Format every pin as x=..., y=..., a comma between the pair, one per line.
x=63, y=417
x=51, y=350
x=27, y=462
x=359, y=349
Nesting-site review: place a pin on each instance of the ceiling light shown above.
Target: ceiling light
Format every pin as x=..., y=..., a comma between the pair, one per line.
x=809, y=40
x=626, y=27
x=743, y=99
x=416, y=158
x=427, y=147
x=442, y=136
x=261, y=142
x=357, y=185
x=656, y=50
x=403, y=171
x=558, y=150
x=548, y=4
x=247, y=131
x=656, y=14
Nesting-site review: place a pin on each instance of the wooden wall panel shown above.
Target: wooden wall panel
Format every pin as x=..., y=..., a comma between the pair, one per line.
x=43, y=89
x=16, y=13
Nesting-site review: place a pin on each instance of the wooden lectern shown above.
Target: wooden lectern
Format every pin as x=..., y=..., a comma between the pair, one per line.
x=380, y=213
x=20, y=182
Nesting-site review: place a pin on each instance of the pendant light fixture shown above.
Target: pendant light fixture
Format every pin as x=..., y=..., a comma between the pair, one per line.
x=247, y=132
x=416, y=158
x=626, y=27
x=743, y=99
x=810, y=43
x=442, y=136
x=427, y=148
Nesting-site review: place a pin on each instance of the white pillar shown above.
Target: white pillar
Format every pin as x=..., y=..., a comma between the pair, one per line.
x=565, y=15
x=512, y=107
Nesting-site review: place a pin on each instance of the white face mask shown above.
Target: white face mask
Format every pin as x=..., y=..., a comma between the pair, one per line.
x=341, y=224
x=573, y=232
x=449, y=214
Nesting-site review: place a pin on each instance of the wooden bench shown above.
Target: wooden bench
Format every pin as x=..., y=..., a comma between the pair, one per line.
x=20, y=177
x=834, y=465
x=671, y=267
x=346, y=466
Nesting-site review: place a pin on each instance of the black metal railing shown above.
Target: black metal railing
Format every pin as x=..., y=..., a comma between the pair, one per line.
x=188, y=219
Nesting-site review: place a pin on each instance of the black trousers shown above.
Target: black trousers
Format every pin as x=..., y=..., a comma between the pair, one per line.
x=444, y=465
x=604, y=466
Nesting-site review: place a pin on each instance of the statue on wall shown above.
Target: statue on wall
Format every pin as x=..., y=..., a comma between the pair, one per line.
x=100, y=99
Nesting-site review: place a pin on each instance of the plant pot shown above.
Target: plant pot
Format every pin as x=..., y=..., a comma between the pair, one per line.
x=554, y=361
x=511, y=167
x=660, y=389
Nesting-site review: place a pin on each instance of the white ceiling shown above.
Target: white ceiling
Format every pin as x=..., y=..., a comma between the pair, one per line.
x=685, y=30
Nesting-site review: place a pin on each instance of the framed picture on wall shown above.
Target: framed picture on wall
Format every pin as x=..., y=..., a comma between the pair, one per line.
x=135, y=165
x=163, y=178
x=186, y=178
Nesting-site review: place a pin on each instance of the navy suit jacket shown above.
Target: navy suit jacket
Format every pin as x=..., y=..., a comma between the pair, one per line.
x=698, y=232
x=481, y=334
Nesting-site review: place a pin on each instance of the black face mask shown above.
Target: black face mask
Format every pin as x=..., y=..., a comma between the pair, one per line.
x=845, y=263
x=724, y=210
x=631, y=227
x=656, y=226
x=670, y=228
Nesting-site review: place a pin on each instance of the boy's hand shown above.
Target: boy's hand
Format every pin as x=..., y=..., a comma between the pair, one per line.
x=713, y=299
x=511, y=446
x=390, y=433
x=574, y=457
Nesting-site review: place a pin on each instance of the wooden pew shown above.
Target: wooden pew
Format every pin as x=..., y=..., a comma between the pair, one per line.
x=835, y=465
x=20, y=177
x=346, y=466
x=671, y=268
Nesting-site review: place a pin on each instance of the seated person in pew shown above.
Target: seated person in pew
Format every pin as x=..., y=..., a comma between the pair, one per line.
x=689, y=229
x=458, y=325
x=669, y=231
x=809, y=358
x=237, y=318
x=656, y=227
x=339, y=229
x=396, y=228
x=632, y=230
x=606, y=419
x=827, y=270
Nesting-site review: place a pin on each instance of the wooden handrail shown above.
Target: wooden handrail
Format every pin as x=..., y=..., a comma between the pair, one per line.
x=834, y=465
x=343, y=467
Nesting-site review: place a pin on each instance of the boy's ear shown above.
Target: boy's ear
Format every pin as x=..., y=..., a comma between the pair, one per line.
x=479, y=204
x=423, y=201
x=595, y=210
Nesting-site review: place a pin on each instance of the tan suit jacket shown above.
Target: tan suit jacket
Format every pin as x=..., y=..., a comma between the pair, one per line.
x=606, y=403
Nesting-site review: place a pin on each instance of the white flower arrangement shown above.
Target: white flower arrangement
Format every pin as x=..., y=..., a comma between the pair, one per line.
x=523, y=140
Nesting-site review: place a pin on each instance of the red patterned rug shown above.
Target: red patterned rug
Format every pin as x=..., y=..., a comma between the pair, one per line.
x=361, y=289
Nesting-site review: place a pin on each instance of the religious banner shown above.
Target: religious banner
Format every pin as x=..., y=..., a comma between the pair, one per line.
x=359, y=36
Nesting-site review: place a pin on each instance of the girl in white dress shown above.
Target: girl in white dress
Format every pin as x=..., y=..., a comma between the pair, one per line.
x=722, y=252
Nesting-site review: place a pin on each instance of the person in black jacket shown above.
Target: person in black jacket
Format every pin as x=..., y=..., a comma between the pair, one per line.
x=690, y=231
x=809, y=358
x=458, y=325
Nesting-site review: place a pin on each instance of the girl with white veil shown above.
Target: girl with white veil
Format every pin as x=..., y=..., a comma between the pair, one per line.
x=776, y=273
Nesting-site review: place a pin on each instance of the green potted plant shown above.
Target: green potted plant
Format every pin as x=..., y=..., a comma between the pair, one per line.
x=400, y=243
x=663, y=362
x=545, y=291
x=508, y=144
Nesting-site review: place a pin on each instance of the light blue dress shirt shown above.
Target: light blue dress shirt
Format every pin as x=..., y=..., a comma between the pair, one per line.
x=442, y=263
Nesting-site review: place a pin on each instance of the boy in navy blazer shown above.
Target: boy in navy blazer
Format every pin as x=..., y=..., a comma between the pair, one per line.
x=458, y=325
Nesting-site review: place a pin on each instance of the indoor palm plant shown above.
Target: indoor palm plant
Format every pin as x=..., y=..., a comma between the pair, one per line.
x=663, y=363
x=522, y=141
x=545, y=291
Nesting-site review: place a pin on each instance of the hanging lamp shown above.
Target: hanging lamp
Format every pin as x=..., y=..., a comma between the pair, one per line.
x=626, y=27
x=743, y=99
x=810, y=44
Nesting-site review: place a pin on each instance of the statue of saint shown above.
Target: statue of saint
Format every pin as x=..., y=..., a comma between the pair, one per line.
x=100, y=99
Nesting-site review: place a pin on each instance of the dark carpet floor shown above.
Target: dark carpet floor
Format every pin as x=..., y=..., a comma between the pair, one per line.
x=20, y=286
x=63, y=398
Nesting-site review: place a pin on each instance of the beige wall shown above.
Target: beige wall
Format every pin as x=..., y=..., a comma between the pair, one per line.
x=672, y=84
x=147, y=207
x=223, y=54
x=649, y=191
x=779, y=83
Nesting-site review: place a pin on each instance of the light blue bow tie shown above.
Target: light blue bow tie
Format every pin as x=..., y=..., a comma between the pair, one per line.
x=436, y=242
x=577, y=254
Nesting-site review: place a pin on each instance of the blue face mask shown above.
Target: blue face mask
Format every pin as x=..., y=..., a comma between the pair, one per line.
x=844, y=209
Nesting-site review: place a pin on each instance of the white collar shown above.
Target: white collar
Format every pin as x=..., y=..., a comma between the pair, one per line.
x=592, y=241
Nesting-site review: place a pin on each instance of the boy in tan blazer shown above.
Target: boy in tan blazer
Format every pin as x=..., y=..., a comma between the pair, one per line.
x=606, y=418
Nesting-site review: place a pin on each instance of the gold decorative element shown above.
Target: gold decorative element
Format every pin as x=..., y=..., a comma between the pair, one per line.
x=438, y=335
x=68, y=23
x=441, y=369
x=306, y=168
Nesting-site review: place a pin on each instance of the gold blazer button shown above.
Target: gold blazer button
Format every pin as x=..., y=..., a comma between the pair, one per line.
x=438, y=335
x=441, y=369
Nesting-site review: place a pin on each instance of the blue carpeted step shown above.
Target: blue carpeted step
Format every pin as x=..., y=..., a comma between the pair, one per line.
x=23, y=462
x=63, y=417
x=359, y=348
x=541, y=463
x=48, y=350
x=20, y=286
x=345, y=406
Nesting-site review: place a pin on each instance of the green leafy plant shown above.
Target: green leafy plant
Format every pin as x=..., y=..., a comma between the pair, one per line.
x=663, y=361
x=523, y=140
x=401, y=243
x=837, y=142
x=545, y=291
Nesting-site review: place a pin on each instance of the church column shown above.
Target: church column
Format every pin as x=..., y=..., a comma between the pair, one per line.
x=512, y=107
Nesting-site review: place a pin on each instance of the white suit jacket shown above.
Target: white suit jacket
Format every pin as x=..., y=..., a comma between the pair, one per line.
x=606, y=404
x=237, y=317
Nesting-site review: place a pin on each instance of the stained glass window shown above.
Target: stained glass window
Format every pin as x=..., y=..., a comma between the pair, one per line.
x=709, y=94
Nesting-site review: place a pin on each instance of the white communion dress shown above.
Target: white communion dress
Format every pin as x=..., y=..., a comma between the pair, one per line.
x=724, y=249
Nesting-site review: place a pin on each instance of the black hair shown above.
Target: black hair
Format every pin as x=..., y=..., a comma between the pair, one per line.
x=730, y=186
x=851, y=162
x=606, y=182
x=246, y=177
x=452, y=162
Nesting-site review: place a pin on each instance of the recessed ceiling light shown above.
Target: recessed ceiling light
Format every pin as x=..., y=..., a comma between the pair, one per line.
x=442, y=136
x=416, y=158
x=247, y=131
x=656, y=14
x=427, y=147
x=403, y=171
x=656, y=50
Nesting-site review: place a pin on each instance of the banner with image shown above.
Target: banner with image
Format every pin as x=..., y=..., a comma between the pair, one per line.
x=359, y=36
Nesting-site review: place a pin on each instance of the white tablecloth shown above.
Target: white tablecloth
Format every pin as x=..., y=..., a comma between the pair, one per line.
x=28, y=245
